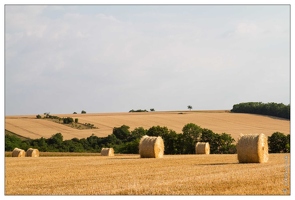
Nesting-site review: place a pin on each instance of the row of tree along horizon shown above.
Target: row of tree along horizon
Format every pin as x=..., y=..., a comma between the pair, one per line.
x=272, y=109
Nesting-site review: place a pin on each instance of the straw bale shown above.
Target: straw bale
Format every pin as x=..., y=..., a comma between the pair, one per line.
x=202, y=148
x=252, y=148
x=18, y=152
x=107, y=152
x=32, y=152
x=151, y=147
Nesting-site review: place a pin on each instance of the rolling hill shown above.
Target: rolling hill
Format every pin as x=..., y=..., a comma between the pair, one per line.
x=218, y=121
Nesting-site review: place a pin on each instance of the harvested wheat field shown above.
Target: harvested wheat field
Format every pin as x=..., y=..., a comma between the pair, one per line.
x=130, y=175
x=217, y=121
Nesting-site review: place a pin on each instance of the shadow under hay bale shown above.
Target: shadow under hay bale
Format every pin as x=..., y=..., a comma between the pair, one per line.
x=18, y=152
x=202, y=148
x=107, y=152
x=151, y=147
x=252, y=148
x=32, y=152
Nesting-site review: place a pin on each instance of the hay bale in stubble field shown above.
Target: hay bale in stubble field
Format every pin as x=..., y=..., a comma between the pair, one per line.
x=151, y=147
x=252, y=148
x=18, y=152
x=202, y=148
x=107, y=152
x=32, y=152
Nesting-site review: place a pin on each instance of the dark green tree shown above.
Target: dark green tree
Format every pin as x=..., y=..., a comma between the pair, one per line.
x=41, y=144
x=137, y=133
x=171, y=142
x=287, y=145
x=55, y=140
x=129, y=147
x=122, y=133
x=94, y=142
x=191, y=135
x=193, y=131
x=169, y=137
x=225, y=144
x=111, y=140
x=277, y=143
x=189, y=107
x=72, y=145
x=68, y=120
x=11, y=142
x=157, y=131
x=212, y=138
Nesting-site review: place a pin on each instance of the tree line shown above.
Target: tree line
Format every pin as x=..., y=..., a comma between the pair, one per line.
x=126, y=142
x=272, y=109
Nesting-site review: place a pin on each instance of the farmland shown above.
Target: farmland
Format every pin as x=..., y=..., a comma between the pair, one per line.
x=217, y=121
x=131, y=175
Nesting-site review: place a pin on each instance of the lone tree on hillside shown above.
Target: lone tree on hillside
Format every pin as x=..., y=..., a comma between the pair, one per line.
x=189, y=107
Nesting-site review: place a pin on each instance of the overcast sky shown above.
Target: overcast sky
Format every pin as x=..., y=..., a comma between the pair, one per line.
x=114, y=58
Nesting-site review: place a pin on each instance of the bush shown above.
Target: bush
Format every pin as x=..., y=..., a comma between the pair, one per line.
x=219, y=143
x=83, y=112
x=122, y=133
x=38, y=116
x=76, y=120
x=138, y=110
x=68, y=120
x=137, y=133
x=11, y=141
x=279, y=143
x=191, y=135
x=90, y=125
x=130, y=147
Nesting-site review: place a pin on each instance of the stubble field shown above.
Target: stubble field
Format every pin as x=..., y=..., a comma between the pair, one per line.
x=131, y=175
x=217, y=121
x=63, y=174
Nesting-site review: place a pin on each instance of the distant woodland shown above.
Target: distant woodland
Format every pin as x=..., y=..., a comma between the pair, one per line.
x=272, y=109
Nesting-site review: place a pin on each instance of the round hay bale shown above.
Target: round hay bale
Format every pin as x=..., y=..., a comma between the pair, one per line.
x=32, y=152
x=252, y=148
x=151, y=147
x=18, y=152
x=107, y=152
x=202, y=148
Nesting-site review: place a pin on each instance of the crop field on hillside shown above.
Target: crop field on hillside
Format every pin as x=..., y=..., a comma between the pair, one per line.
x=130, y=175
x=217, y=121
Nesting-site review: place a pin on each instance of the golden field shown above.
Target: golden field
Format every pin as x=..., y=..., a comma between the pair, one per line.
x=131, y=175
x=217, y=121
